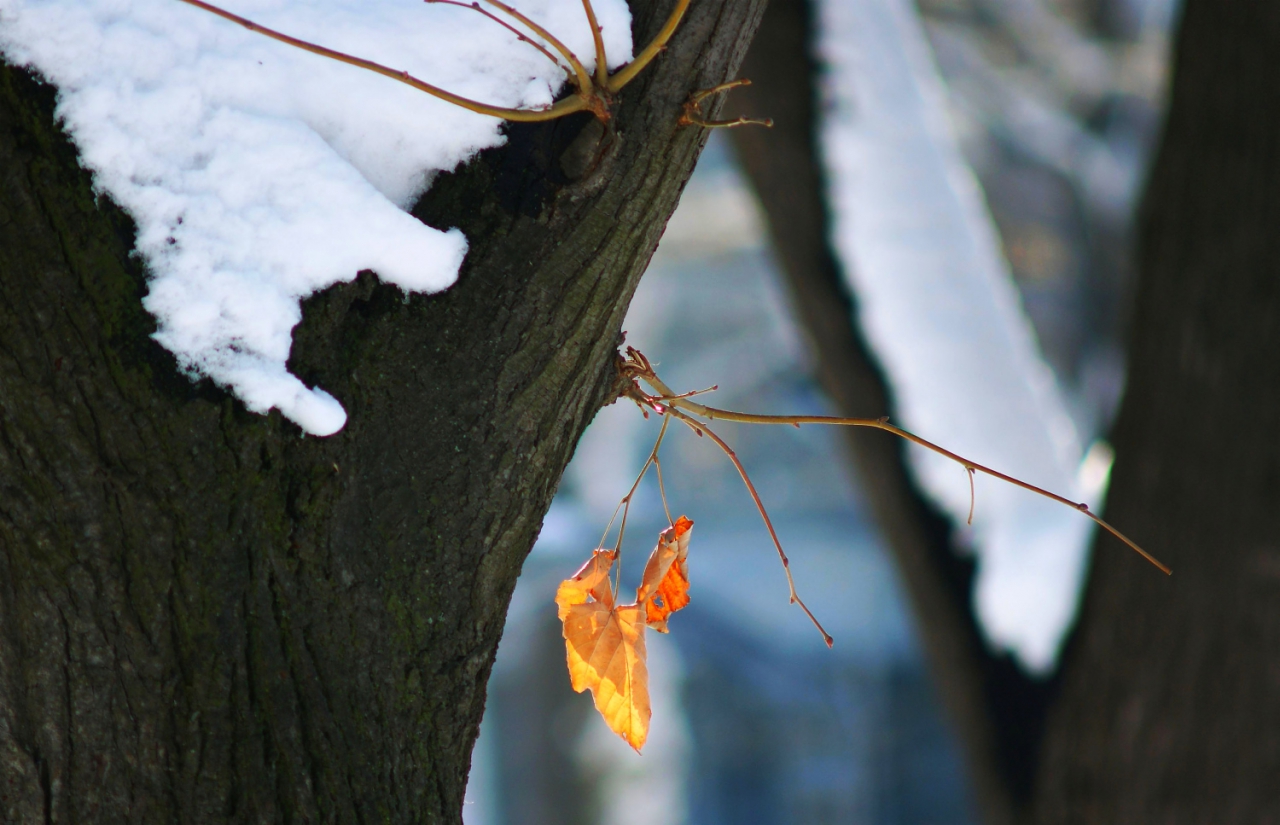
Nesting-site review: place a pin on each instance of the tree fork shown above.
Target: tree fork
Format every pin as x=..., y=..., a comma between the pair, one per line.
x=205, y=617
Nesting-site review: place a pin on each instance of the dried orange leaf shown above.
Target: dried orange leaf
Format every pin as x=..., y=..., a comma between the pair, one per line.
x=592, y=579
x=606, y=655
x=604, y=643
x=665, y=587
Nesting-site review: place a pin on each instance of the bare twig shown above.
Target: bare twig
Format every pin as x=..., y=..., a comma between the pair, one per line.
x=593, y=96
x=700, y=428
x=640, y=367
x=602, y=65
x=584, y=79
x=628, y=72
x=692, y=115
x=576, y=103
x=524, y=38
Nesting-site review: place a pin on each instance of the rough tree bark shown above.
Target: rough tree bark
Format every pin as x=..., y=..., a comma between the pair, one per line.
x=1167, y=704
x=1170, y=705
x=205, y=617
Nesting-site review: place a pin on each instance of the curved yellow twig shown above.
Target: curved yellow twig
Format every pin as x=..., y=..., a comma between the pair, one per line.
x=625, y=75
x=602, y=64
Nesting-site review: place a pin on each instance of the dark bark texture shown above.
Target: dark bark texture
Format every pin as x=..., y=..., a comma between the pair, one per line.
x=205, y=617
x=998, y=710
x=1171, y=700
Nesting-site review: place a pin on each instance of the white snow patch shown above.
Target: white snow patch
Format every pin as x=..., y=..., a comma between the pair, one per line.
x=259, y=174
x=941, y=311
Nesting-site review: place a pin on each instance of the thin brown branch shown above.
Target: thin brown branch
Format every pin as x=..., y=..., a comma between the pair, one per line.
x=644, y=370
x=592, y=96
x=690, y=393
x=697, y=97
x=576, y=103
x=524, y=38
x=584, y=79
x=692, y=115
x=694, y=120
x=700, y=428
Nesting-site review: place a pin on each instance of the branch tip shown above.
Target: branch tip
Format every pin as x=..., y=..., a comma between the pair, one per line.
x=637, y=368
x=755, y=497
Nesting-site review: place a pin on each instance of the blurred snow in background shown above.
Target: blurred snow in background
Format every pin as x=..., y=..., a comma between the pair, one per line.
x=1059, y=126
x=945, y=320
x=259, y=173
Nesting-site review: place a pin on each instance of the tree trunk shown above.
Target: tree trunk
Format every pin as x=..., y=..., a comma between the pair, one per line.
x=1170, y=709
x=205, y=617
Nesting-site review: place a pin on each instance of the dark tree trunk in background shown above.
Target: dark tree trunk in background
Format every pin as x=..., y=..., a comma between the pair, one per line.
x=997, y=709
x=204, y=617
x=1170, y=710
x=1167, y=706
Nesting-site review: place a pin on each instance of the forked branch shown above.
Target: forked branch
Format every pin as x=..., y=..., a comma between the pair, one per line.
x=593, y=95
x=692, y=115
x=638, y=367
x=573, y=77
x=569, y=105
x=700, y=428
x=625, y=504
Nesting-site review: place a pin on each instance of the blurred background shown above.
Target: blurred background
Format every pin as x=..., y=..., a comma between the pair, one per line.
x=1054, y=106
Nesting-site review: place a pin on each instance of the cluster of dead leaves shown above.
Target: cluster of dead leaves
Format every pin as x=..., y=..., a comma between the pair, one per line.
x=605, y=641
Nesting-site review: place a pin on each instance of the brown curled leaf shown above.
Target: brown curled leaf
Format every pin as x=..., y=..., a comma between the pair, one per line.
x=665, y=586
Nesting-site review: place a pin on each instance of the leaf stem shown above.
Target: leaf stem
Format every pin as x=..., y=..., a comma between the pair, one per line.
x=662, y=490
x=972, y=496
x=625, y=503
x=700, y=428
